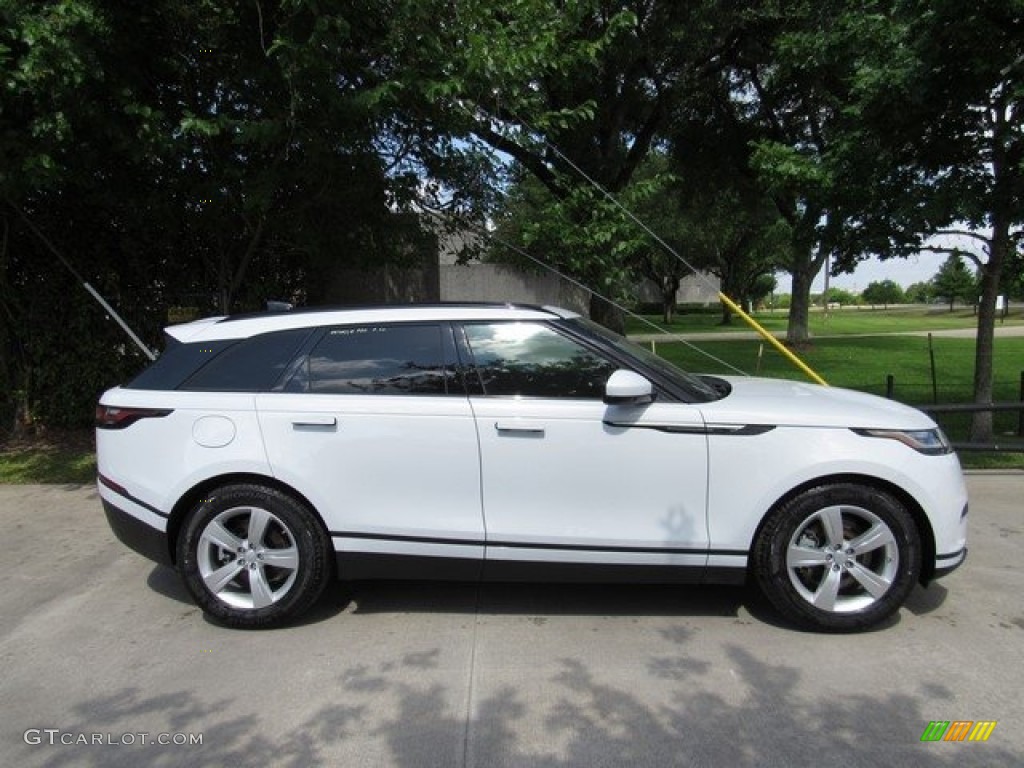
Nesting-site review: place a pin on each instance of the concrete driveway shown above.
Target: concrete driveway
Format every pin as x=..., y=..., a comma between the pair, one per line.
x=104, y=655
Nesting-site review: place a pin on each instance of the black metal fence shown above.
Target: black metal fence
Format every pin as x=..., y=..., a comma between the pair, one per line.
x=1010, y=445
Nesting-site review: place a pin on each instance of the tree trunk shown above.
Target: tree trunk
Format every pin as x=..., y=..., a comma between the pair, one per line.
x=804, y=271
x=14, y=370
x=727, y=286
x=250, y=249
x=1006, y=175
x=726, y=315
x=607, y=314
x=981, y=422
x=669, y=290
x=797, y=331
x=22, y=415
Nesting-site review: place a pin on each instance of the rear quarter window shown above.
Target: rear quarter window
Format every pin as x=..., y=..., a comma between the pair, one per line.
x=255, y=364
x=177, y=363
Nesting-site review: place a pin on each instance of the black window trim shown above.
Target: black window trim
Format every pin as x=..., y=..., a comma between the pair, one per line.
x=471, y=381
x=301, y=355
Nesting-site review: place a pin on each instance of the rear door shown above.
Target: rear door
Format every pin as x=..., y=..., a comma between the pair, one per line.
x=372, y=424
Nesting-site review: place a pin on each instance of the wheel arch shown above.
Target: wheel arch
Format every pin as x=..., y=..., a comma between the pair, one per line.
x=913, y=507
x=191, y=497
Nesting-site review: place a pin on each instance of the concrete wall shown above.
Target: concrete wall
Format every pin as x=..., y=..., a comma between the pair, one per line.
x=503, y=283
x=476, y=281
x=442, y=278
x=692, y=290
x=385, y=285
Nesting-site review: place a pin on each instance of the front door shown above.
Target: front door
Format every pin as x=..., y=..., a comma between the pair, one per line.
x=571, y=485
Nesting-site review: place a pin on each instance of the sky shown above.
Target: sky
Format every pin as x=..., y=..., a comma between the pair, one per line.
x=919, y=268
x=914, y=269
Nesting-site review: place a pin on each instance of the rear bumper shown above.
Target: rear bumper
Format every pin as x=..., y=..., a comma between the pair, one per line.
x=137, y=535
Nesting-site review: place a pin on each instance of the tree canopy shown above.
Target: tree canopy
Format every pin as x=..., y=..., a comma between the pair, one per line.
x=208, y=155
x=955, y=282
x=884, y=292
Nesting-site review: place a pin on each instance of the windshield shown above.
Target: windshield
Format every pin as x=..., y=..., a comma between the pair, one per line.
x=697, y=387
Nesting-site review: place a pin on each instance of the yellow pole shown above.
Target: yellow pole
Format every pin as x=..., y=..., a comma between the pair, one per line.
x=772, y=340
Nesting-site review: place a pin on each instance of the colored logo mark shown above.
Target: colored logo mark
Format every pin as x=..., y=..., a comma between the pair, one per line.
x=958, y=730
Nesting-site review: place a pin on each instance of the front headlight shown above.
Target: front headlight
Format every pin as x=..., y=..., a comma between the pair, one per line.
x=931, y=442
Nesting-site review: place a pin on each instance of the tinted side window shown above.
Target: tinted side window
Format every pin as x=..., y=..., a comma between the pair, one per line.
x=252, y=365
x=531, y=359
x=177, y=363
x=378, y=360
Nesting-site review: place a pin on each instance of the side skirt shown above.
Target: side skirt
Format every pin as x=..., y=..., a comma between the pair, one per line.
x=354, y=566
x=592, y=573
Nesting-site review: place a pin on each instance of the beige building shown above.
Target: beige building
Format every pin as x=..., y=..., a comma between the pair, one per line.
x=445, y=279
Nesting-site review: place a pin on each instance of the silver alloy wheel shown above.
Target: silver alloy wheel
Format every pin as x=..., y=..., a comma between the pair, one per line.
x=247, y=557
x=842, y=558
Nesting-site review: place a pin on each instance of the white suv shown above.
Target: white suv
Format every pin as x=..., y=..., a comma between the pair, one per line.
x=264, y=455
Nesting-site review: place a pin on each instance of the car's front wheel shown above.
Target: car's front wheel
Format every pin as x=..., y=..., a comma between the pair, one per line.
x=252, y=556
x=839, y=557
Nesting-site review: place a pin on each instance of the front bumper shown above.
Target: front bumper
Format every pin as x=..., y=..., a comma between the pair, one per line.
x=946, y=564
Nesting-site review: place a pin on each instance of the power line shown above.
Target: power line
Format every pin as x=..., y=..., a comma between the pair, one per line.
x=85, y=284
x=484, y=232
x=732, y=305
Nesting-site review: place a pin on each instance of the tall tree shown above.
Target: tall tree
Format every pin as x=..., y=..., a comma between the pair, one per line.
x=569, y=90
x=794, y=81
x=746, y=238
x=201, y=153
x=945, y=105
x=920, y=293
x=954, y=281
x=884, y=292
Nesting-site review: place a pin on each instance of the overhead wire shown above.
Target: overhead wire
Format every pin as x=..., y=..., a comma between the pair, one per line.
x=41, y=236
x=732, y=305
x=484, y=232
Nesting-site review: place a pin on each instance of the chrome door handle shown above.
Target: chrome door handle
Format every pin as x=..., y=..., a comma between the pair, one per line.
x=520, y=427
x=312, y=422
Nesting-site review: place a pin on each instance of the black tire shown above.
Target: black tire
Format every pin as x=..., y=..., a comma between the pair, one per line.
x=253, y=584
x=814, y=563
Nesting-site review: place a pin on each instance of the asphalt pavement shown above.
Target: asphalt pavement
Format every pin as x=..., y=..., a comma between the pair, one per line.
x=104, y=656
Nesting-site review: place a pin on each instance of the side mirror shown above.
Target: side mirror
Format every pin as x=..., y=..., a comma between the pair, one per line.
x=628, y=388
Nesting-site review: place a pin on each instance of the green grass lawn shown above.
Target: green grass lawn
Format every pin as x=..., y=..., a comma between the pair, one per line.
x=864, y=363
x=842, y=322
x=47, y=462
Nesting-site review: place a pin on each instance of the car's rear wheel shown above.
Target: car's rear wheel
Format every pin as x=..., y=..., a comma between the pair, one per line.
x=839, y=557
x=252, y=556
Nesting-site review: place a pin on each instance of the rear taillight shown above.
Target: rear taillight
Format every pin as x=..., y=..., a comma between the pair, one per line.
x=119, y=417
